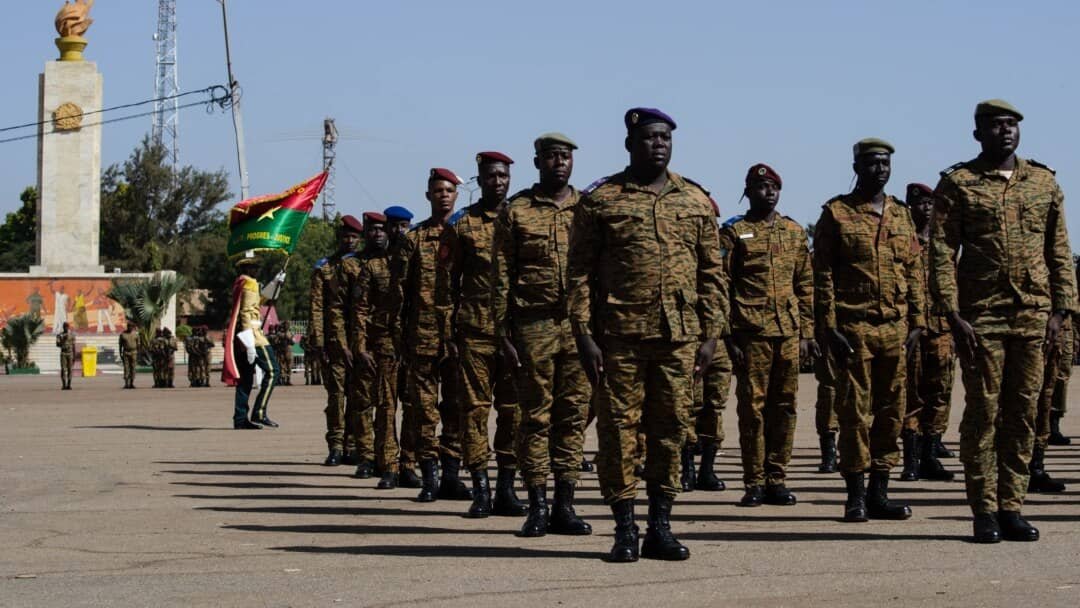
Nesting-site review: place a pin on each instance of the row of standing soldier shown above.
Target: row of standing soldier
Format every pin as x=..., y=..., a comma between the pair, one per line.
x=618, y=296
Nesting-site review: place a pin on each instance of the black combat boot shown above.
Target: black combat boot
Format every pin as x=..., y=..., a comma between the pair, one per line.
x=986, y=529
x=639, y=471
x=625, y=548
x=536, y=521
x=659, y=542
x=706, y=475
x=940, y=451
x=1040, y=481
x=333, y=459
x=450, y=485
x=688, y=478
x=1016, y=528
x=586, y=466
x=1056, y=438
x=564, y=520
x=828, y=453
x=855, y=507
x=779, y=495
x=407, y=478
x=929, y=466
x=427, y=485
x=364, y=470
x=350, y=458
x=754, y=497
x=912, y=444
x=388, y=481
x=506, y=501
x=878, y=505
x=481, y=491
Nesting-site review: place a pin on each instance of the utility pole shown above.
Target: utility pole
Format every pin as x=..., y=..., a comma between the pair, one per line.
x=238, y=123
x=165, y=127
x=329, y=143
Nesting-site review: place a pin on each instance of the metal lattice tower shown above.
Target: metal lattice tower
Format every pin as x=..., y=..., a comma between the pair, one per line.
x=329, y=143
x=166, y=117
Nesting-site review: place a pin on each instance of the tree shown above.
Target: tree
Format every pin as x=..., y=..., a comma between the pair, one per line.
x=20, y=333
x=18, y=234
x=144, y=302
x=152, y=216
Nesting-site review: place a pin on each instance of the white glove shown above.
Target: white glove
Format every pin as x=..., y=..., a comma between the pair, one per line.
x=273, y=287
x=247, y=338
x=251, y=355
x=280, y=278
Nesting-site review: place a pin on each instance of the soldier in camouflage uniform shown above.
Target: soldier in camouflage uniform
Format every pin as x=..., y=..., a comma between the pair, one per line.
x=1006, y=300
x=869, y=300
x=129, y=354
x=528, y=295
x=398, y=222
x=645, y=288
x=1054, y=389
x=825, y=407
x=168, y=354
x=191, y=350
x=930, y=368
x=705, y=431
x=206, y=350
x=481, y=376
x=771, y=294
x=331, y=335
x=157, y=359
x=310, y=361
x=65, y=341
x=283, y=349
x=378, y=304
x=426, y=310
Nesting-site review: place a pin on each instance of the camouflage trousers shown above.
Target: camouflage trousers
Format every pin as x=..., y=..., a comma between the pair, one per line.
x=1053, y=399
x=554, y=394
x=929, y=386
x=870, y=396
x=129, y=361
x=768, y=383
x=710, y=394
x=825, y=406
x=407, y=437
x=646, y=385
x=997, y=432
x=67, y=361
x=377, y=395
x=347, y=428
x=482, y=379
x=285, y=365
x=428, y=377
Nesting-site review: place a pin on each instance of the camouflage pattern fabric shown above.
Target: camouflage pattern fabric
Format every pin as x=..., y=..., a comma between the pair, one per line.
x=766, y=393
x=1055, y=388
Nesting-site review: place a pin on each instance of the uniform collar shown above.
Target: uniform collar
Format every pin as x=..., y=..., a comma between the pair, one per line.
x=539, y=196
x=985, y=169
x=864, y=206
x=675, y=183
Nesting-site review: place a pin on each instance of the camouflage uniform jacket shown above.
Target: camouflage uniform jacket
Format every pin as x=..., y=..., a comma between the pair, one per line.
x=529, y=269
x=331, y=320
x=936, y=324
x=66, y=343
x=1015, y=247
x=867, y=266
x=129, y=343
x=470, y=269
x=378, y=304
x=771, y=289
x=650, y=262
x=191, y=346
x=426, y=304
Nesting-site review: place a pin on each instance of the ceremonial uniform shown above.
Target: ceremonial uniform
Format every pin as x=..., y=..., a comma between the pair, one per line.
x=65, y=341
x=246, y=307
x=129, y=353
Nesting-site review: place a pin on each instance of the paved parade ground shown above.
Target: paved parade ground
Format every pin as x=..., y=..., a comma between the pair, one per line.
x=148, y=498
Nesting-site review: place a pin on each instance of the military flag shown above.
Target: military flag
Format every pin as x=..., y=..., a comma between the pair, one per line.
x=273, y=222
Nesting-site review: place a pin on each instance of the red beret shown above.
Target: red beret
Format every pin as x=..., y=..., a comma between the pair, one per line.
x=493, y=157
x=349, y=222
x=919, y=188
x=445, y=174
x=762, y=171
x=374, y=217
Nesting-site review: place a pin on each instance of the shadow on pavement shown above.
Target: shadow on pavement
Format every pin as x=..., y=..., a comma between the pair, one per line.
x=357, y=529
x=812, y=536
x=254, y=473
x=456, y=551
x=241, y=463
x=145, y=427
x=264, y=485
x=301, y=510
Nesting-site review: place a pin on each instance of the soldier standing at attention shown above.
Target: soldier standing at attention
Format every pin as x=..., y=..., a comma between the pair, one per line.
x=378, y=306
x=930, y=367
x=65, y=341
x=869, y=299
x=426, y=312
x=206, y=349
x=705, y=431
x=825, y=406
x=1006, y=299
x=481, y=375
x=284, y=352
x=157, y=360
x=528, y=295
x=309, y=361
x=191, y=350
x=771, y=291
x=645, y=290
x=330, y=331
x=168, y=355
x=398, y=222
x=1055, y=385
x=129, y=354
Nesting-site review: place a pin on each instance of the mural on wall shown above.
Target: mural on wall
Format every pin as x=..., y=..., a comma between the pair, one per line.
x=80, y=302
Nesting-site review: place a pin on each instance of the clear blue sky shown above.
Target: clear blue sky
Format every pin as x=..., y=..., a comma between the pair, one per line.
x=423, y=83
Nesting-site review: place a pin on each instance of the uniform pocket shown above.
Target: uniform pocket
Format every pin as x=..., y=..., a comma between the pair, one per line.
x=857, y=243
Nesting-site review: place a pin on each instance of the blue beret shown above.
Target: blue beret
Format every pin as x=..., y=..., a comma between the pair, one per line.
x=398, y=212
x=637, y=117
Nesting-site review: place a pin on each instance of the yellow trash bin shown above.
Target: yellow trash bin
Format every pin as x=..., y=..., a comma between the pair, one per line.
x=89, y=361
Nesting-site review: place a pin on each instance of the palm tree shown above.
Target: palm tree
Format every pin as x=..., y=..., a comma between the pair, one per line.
x=20, y=333
x=145, y=302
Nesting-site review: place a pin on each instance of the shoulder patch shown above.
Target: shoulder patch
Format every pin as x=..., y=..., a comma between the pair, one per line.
x=953, y=168
x=703, y=188
x=1032, y=161
x=456, y=217
x=593, y=186
x=731, y=220
x=321, y=263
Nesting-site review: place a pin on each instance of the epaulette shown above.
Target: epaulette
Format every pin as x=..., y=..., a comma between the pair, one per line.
x=456, y=217
x=593, y=186
x=321, y=263
x=715, y=207
x=731, y=220
x=1032, y=161
x=953, y=168
x=519, y=193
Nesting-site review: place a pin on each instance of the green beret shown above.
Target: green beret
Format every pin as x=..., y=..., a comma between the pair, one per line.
x=871, y=145
x=553, y=139
x=997, y=107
